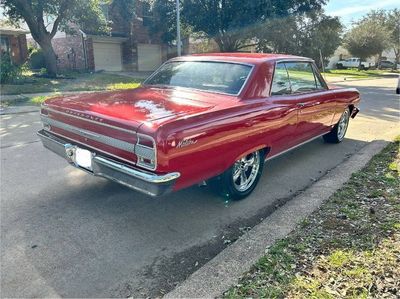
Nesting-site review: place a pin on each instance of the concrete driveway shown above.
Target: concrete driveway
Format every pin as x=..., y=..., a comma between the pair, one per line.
x=66, y=233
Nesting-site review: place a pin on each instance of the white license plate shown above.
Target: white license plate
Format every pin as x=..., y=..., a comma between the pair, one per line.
x=83, y=158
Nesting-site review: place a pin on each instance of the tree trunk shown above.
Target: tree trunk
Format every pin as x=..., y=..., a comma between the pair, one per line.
x=359, y=65
x=397, y=58
x=380, y=61
x=226, y=43
x=49, y=56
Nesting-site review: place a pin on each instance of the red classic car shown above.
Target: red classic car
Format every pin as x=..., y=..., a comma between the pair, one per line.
x=213, y=117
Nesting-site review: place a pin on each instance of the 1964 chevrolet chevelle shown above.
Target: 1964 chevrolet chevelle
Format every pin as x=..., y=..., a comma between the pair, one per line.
x=214, y=118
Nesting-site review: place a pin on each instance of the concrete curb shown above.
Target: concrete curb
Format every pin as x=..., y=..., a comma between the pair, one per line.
x=226, y=268
x=338, y=79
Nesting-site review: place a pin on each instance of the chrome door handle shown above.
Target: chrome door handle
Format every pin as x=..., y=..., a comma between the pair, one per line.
x=301, y=104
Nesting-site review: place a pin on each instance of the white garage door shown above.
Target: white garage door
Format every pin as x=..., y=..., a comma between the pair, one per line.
x=107, y=56
x=149, y=57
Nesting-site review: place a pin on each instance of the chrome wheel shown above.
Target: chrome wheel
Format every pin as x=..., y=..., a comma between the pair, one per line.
x=342, y=125
x=245, y=171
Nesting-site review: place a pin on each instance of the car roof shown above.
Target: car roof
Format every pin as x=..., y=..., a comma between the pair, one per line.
x=251, y=58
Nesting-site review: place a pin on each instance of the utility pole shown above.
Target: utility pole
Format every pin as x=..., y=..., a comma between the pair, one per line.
x=178, y=29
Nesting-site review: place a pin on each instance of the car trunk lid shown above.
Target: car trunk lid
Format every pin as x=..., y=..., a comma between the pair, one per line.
x=109, y=121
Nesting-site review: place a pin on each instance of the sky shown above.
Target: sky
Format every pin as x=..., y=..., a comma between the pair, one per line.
x=353, y=10
x=347, y=10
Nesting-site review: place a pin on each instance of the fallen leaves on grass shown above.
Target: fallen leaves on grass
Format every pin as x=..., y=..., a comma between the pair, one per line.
x=349, y=248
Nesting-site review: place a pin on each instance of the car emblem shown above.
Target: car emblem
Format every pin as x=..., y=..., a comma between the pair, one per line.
x=83, y=115
x=186, y=142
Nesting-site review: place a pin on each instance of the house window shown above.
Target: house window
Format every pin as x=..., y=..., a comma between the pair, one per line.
x=5, y=45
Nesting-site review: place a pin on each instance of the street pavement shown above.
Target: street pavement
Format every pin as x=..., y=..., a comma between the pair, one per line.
x=65, y=233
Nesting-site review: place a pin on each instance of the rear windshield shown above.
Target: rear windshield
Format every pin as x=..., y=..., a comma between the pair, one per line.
x=222, y=77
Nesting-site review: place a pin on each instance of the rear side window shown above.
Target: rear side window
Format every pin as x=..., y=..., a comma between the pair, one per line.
x=301, y=76
x=295, y=77
x=280, y=83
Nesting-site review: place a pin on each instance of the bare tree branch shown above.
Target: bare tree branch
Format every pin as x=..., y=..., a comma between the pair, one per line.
x=246, y=45
x=61, y=14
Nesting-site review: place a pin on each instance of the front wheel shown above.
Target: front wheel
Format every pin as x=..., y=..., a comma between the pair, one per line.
x=338, y=132
x=241, y=178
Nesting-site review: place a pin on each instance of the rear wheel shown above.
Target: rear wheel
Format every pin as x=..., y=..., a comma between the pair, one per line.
x=338, y=132
x=241, y=178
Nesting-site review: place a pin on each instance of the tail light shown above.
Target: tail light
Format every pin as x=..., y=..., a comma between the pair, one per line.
x=44, y=111
x=146, y=152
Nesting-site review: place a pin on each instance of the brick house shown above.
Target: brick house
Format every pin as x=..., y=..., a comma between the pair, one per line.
x=129, y=47
x=13, y=42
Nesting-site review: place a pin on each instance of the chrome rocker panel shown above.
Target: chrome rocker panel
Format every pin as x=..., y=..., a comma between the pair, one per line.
x=139, y=180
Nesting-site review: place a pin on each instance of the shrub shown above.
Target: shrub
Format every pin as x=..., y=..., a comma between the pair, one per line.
x=36, y=59
x=9, y=72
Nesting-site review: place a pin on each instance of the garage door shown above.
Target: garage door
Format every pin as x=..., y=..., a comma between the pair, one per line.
x=149, y=57
x=107, y=56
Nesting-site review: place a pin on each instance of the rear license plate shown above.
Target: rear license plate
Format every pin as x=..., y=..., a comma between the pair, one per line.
x=83, y=158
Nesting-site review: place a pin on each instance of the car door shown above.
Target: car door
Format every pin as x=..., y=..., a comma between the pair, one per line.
x=285, y=106
x=315, y=103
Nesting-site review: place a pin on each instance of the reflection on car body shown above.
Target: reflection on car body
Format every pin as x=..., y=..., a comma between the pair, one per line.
x=211, y=117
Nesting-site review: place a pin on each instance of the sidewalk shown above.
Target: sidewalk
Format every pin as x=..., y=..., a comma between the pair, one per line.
x=18, y=109
x=347, y=78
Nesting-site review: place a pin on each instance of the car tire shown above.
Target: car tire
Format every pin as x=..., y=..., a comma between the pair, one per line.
x=336, y=135
x=241, y=178
x=339, y=66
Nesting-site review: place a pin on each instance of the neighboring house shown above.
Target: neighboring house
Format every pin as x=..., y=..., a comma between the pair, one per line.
x=129, y=47
x=341, y=53
x=13, y=42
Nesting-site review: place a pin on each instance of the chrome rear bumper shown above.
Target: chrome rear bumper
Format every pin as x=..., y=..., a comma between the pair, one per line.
x=139, y=180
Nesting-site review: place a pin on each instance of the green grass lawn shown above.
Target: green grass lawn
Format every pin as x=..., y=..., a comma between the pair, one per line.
x=75, y=82
x=349, y=248
x=356, y=74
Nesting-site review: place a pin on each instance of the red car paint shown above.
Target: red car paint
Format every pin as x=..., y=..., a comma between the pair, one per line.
x=216, y=129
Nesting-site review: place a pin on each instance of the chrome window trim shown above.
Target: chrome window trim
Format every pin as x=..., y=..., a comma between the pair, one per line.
x=85, y=119
x=300, y=93
x=272, y=81
x=318, y=76
x=252, y=66
x=120, y=144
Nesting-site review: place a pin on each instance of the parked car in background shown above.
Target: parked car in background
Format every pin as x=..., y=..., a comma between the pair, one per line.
x=213, y=117
x=386, y=64
x=352, y=63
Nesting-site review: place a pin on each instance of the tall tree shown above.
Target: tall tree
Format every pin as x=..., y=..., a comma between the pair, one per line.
x=390, y=19
x=367, y=38
x=393, y=25
x=233, y=23
x=306, y=34
x=164, y=23
x=61, y=13
x=380, y=17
